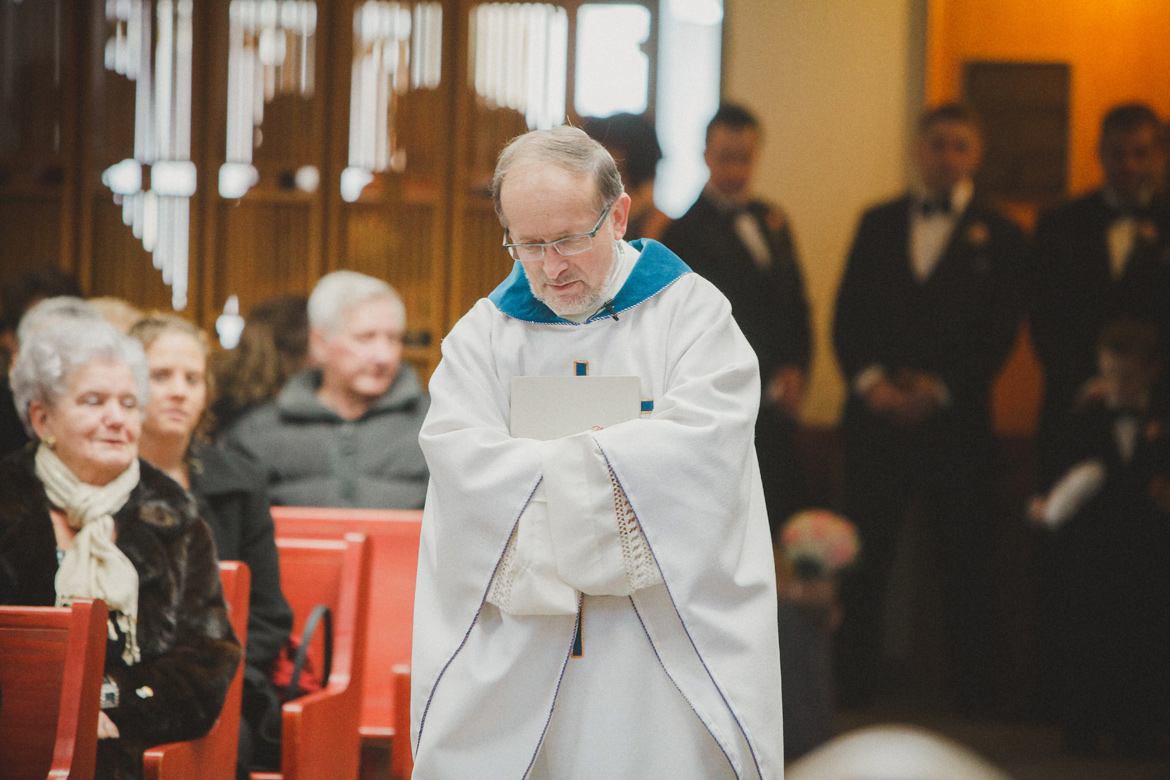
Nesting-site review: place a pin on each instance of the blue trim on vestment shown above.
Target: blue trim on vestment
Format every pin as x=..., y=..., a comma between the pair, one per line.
x=656, y=269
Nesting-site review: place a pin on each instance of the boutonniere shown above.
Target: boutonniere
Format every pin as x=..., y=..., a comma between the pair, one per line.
x=775, y=220
x=1147, y=231
x=978, y=233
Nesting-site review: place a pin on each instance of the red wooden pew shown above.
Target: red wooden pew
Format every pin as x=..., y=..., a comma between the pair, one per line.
x=320, y=730
x=385, y=720
x=51, y=665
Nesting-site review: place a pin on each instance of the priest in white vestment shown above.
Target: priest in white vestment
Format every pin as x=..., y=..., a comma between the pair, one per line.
x=601, y=605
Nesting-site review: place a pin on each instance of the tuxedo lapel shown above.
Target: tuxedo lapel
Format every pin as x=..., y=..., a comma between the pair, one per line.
x=900, y=250
x=966, y=250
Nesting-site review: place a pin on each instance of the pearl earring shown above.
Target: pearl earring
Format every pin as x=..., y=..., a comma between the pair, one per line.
x=50, y=441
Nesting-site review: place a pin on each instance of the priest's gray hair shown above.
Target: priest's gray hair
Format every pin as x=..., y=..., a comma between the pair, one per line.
x=565, y=147
x=53, y=309
x=339, y=292
x=53, y=353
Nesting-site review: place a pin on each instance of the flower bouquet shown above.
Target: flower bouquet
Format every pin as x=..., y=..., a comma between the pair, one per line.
x=819, y=543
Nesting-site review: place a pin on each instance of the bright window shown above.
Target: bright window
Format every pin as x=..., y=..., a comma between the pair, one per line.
x=613, y=72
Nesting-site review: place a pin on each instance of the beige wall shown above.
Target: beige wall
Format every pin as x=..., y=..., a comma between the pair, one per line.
x=837, y=85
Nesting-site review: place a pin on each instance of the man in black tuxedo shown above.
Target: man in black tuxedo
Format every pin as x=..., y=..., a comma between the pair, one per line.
x=744, y=247
x=927, y=312
x=1103, y=255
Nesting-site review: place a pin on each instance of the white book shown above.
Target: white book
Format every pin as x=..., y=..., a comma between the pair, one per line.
x=551, y=407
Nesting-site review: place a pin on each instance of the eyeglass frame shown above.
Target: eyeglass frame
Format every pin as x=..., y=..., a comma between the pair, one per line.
x=544, y=245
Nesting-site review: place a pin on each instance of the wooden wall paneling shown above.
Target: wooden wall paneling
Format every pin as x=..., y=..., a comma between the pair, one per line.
x=270, y=241
x=111, y=260
x=397, y=229
x=38, y=124
x=477, y=262
x=30, y=231
x=119, y=266
x=261, y=250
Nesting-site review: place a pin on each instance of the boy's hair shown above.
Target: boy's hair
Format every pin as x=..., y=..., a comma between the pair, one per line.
x=1129, y=338
x=960, y=113
x=1128, y=117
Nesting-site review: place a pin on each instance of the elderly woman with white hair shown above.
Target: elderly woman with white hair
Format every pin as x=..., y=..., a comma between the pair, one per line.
x=344, y=433
x=82, y=517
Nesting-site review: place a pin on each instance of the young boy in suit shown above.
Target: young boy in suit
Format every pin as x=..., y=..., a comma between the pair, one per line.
x=1110, y=511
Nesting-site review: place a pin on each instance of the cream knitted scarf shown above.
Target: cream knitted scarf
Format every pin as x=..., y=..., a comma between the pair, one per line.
x=94, y=567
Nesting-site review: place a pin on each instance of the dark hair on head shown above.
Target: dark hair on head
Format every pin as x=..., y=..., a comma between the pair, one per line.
x=273, y=346
x=950, y=112
x=288, y=315
x=632, y=141
x=1128, y=337
x=1127, y=117
x=733, y=116
x=31, y=286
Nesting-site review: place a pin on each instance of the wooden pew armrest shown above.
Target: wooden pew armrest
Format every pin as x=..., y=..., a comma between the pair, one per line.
x=401, y=757
x=316, y=726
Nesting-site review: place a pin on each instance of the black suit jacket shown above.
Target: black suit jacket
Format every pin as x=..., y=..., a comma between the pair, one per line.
x=960, y=323
x=1074, y=294
x=1124, y=500
x=12, y=433
x=769, y=306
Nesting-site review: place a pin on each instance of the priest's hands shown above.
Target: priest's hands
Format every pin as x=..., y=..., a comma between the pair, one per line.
x=911, y=398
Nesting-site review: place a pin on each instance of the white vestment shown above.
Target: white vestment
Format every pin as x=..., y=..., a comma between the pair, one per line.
x=679, y=679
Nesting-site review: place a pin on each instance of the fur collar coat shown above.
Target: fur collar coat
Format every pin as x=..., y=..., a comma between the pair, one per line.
x=189, y=653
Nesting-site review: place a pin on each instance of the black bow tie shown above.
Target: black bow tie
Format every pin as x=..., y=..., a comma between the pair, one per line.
x=934, y=206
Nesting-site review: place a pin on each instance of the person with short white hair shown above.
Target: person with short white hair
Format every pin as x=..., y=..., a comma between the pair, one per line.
x=82, y=516
x=53, y=309
x=345, y=432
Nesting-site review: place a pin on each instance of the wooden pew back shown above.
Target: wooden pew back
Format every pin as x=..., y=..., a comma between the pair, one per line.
x=320, y=730
x=51, y=666
x=394, y=535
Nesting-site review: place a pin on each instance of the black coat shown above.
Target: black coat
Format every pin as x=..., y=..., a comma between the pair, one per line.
x=769, y=306
x=1074, y=295
x=959, y=324
x=189, y=653
x=1112, y=586
x=233, y=498
x=12, y=433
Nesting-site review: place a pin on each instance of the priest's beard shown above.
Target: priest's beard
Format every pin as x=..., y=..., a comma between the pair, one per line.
x=587, y=301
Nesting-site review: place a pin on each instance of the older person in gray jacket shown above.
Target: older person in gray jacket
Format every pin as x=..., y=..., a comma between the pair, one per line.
x=346, y=432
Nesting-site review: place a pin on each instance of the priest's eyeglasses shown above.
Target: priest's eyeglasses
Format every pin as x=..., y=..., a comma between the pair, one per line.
x=569, y=245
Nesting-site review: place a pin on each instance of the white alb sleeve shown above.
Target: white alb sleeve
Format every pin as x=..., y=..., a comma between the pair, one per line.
x=526, y=580
x=599, y=546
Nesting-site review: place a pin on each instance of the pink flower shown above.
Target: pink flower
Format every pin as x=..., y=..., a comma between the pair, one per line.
x=819, y=542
